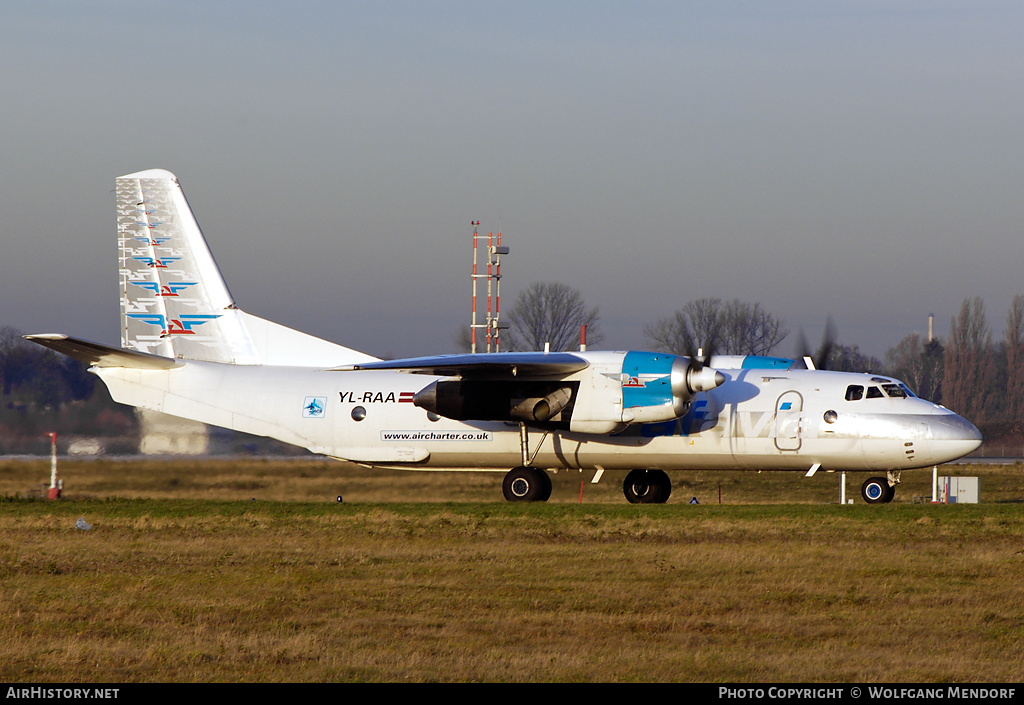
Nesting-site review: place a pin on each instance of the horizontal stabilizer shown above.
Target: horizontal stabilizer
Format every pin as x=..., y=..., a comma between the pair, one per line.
x=102, y=356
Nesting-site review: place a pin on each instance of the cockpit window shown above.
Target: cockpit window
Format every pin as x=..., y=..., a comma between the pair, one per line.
x=896, y=390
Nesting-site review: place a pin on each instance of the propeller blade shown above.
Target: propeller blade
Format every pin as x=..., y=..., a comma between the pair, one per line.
x=803, y=350
x=699, y=356
x=818, y=359
x=828, y=342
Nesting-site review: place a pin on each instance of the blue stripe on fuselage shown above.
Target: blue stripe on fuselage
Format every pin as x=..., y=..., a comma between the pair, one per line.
x=757, y=362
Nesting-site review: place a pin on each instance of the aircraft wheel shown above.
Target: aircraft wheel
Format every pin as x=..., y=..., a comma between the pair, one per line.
x=877, y=490
x=526, y=484
x=647, y=487
x=545, y=488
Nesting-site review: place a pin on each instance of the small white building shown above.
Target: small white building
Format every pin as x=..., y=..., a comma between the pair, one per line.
x=958, y=490
x=163, y=434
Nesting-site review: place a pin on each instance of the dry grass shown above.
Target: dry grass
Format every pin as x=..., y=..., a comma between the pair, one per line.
x=194, y=581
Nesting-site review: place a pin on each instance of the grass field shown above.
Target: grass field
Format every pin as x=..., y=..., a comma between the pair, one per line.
x=251, y=571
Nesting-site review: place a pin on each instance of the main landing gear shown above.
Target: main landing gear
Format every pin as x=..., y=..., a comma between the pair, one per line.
x=647, y=487
x=880, y=490
x=529, y=484
x=526, y=484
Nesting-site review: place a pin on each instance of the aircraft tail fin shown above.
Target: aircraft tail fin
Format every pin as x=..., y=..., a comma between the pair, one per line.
x=174, y=302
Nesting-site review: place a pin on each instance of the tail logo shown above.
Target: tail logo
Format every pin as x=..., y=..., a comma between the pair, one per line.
x=151, y=241
x=157, y=262
x=182, y=325
x=168, y=289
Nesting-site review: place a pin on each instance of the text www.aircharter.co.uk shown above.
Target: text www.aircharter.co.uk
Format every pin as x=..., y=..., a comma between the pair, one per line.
x=435, y=436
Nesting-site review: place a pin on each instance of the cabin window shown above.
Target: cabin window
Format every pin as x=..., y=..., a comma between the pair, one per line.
x=854, y=392
x=875, y=393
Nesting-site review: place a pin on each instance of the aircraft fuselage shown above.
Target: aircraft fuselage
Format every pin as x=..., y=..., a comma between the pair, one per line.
x=760, y=419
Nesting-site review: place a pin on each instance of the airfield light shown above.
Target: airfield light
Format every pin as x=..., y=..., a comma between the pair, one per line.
x=55, y=486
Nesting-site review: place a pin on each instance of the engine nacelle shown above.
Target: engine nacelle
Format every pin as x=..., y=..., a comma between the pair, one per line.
x=659, y=387
x=615, y=389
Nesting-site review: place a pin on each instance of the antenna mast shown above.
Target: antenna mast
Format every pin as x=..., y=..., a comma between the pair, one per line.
x=493, y=325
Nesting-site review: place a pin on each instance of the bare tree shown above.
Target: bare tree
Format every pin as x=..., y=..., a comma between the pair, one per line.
x=968, y=360
x=551, y=313
x=747, y=329
x=732, y=328
x=849, y=358
x=1014, y=342
x=10, y=338
x=691, y=327
x=38, y=374
x=918, y=363
x=463, y=339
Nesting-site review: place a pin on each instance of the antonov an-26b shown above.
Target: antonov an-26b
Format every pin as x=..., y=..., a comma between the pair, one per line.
x=188, y=350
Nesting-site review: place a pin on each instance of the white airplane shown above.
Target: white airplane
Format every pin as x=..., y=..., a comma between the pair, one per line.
x=188, y=350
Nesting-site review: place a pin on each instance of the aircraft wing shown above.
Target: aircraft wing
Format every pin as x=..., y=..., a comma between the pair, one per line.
x=510, y=365
x=102, y=355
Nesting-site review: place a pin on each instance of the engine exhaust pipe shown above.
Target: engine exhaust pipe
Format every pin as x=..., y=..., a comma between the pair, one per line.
x=542, y=408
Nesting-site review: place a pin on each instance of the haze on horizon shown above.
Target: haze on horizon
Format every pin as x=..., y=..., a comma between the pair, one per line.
x=854, y=159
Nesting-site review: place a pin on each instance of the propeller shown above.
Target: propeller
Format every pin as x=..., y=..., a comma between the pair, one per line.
x=698, y=377
x=819, y=359
x=698, y=356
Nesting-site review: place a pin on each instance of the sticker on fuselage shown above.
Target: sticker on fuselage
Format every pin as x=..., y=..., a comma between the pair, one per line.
x=314, y=407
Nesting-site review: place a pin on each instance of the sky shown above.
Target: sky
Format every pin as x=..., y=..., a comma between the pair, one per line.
x=860, y=160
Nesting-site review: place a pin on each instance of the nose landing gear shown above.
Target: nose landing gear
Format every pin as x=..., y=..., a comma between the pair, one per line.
x=878, y=490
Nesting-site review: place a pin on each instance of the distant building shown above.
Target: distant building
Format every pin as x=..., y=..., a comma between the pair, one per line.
x=85, y=446
x=162, y=434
